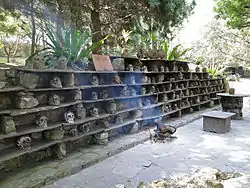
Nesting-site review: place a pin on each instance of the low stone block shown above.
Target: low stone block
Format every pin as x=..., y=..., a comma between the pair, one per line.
x=217, y=122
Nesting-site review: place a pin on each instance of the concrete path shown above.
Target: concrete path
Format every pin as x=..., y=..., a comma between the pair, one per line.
x=191, y=150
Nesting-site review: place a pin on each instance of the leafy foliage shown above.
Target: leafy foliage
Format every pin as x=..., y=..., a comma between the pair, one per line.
x=221, y=46
x=73, y=44
x=176, y=53
x=235, y=12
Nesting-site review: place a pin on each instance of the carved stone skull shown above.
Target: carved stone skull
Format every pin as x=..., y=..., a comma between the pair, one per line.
x=166, y=69
x=125, y=91
x=77, y=95
x=54, y=100
x=79, y=111
x=69, y=117
x=94, y=95
x=104, y=94
x=153, y=80
x=38, y=62
x=94, y=112
x=143, y=91
x=56, y=82
x=73, y=132
x=149, y=80
x=144, y=69
x=160, y=78
x=144, y=79
x=164, y=98
x=146, y=102
x=132, y=80
x=119, y=119
x=181, y=69
x=41, y=121
x=116, y=79
x=130, y=67
x=162, y=69
x=139, y=103
x=133, y=92
x=62, y=62
x=94, y=80
x=173, y=95
x=84, y=128
x=111, y=107
x=152, y=89
x=24, y=142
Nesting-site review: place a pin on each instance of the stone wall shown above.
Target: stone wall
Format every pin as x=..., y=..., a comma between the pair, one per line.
x=48, y=113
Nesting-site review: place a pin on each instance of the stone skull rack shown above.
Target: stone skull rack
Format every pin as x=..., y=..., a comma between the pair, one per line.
x=53, y=109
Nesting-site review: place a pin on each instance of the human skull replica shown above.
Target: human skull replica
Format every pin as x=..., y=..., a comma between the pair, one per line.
x=152, y=89
x=94, y=80
x=130, y=67
x=180, y=76
x=191, y=93
x=69, y=117
x=41, y=121
x=62, y=62
x=173, y=95
x=146, y=102
x=38, y=62
x=104, y=94
x=143, y=91
x=94, y=95
x=111, y=107
x=144, y=69
x=153, y=80
x=182, y=86
x=133, y=92
x=160, y=78
x=56, y=82
x=73, y=132
x=84, y=128
x=78, y=95
x=174, y=107
x=132, y=80
x=162, y=69
x=125, y=91
x=24, y=142
x=54, y=100
x=119, y=119
x=164, y=98
x=144, y=79
x=79, y=111
x=181, y=69
x=139, y=103
x=149, y=80
x=116, y=79
x=166, y=69
x=175, y=68
x=94, y=112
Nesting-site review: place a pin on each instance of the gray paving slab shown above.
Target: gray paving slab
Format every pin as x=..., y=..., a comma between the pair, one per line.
x=193, y=149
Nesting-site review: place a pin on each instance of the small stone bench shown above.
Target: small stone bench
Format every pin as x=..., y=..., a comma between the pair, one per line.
x=217, y=122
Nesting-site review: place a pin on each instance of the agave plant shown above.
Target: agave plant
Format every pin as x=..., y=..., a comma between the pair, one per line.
x=176, y=53
x=73, y=44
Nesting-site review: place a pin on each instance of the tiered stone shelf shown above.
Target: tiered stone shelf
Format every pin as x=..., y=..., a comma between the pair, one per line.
x=49, y=112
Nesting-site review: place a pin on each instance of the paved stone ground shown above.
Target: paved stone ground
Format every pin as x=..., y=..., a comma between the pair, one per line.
x=191, y=150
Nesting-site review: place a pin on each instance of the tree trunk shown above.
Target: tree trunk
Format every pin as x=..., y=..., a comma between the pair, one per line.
x=96, y=24
x=33, y=23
